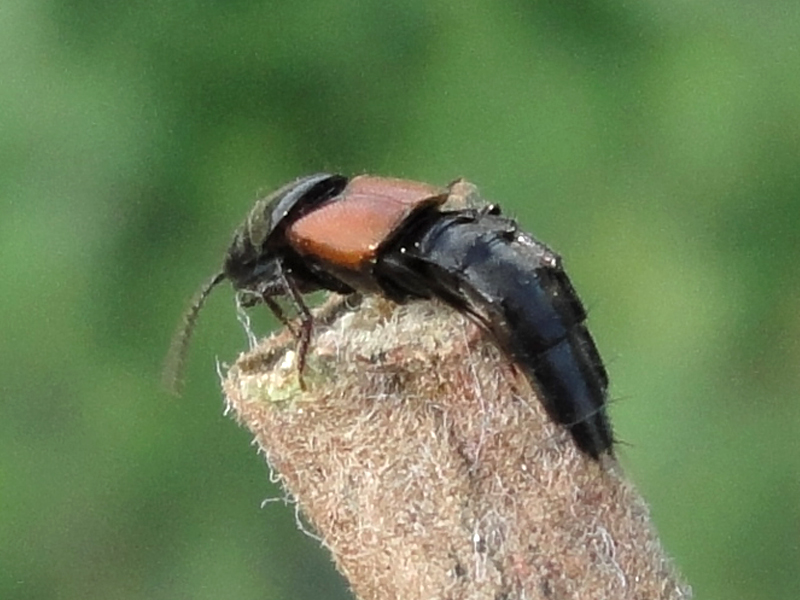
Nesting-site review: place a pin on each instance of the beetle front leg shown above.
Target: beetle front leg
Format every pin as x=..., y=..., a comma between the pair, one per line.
x=306, y=323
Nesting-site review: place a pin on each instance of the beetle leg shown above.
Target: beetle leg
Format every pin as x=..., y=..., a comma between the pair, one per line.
x=248, y=298
x=306, y=322
x=279, y=314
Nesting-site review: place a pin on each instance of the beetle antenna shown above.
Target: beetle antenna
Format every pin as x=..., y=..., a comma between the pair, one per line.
x=176, y=357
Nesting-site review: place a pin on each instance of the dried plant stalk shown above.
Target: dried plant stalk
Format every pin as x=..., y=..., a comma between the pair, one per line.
x=429, y=468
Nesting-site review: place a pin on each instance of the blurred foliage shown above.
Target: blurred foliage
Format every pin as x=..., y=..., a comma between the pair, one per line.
x=655, y=145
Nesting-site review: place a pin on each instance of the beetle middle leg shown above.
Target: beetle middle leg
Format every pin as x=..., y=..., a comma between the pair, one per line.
x=284, y=284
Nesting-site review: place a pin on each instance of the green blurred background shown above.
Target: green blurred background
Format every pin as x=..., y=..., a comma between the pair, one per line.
x=655, y=145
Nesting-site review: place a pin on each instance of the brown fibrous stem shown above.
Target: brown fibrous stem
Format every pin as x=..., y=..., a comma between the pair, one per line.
x=428, y=467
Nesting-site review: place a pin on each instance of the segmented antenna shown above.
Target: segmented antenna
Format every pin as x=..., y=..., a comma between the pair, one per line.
x=176, y=357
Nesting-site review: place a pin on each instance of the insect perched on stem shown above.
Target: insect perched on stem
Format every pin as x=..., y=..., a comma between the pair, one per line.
x=394, y=237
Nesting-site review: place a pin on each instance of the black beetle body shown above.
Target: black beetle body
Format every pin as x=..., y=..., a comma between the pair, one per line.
x=390, y=236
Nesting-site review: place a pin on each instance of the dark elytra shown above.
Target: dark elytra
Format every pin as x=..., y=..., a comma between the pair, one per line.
x=404, y=246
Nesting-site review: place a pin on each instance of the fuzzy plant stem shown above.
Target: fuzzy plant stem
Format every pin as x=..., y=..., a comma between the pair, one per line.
x=428, y=467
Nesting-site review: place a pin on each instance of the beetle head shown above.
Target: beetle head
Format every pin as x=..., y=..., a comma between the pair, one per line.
x=254, y=253
x=256, y=260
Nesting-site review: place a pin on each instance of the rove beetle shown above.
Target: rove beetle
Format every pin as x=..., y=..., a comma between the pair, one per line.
x=393, y=237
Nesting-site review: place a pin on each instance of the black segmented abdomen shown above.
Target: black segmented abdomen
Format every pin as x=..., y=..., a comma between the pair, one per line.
x=481, y=263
